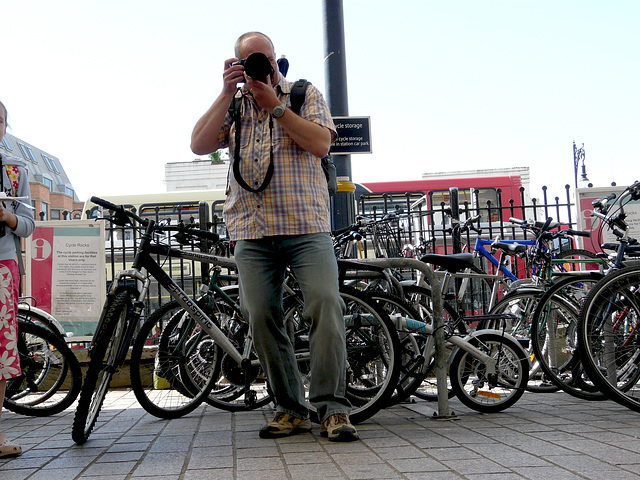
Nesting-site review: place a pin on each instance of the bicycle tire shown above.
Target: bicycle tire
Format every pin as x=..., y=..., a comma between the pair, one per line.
x=51, y=375
x=610, y=353
x=578, y=254
x=554, y=336
x=420, y=298
x=230, y=391
x=369, y=361
x=412, y=368
x=105, y=346
x=164, y=351
x=521, y=303
x=373, y=353
x=28, y=314
x=469, y=378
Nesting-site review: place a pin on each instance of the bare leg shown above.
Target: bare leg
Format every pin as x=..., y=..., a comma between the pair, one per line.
x=7, y=449
x=3, y=384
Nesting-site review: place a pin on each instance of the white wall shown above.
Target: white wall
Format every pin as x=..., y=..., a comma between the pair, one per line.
x=195, y=175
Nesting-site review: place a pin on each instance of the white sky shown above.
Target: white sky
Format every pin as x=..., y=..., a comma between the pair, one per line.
x=114, y=87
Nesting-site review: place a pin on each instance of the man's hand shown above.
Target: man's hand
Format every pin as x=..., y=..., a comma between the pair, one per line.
x=232, y=75
x=9, y=218
x=263, y=93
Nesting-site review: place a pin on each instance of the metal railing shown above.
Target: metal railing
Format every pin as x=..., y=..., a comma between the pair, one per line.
x=121, y=246
x=415, y=224
x=410, y=224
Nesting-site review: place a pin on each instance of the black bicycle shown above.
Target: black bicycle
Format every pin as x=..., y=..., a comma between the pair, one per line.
x=188, y=348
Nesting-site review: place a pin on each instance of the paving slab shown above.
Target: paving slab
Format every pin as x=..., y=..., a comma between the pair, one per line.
x=544, y=436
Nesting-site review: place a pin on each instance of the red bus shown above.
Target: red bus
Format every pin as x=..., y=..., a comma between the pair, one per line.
x=430, y=193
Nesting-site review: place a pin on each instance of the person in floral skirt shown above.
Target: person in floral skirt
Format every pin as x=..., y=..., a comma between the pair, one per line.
x=16, y=220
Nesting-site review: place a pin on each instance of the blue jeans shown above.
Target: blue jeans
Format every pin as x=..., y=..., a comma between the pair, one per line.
x=261, y=266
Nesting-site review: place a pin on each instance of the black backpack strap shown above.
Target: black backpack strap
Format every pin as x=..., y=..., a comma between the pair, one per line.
x=298, y=92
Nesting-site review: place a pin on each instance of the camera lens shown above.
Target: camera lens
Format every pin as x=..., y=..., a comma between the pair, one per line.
x=258, y=66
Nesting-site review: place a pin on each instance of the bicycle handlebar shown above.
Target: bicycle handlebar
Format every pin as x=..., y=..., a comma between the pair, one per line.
x=578, y=233
x=542, y=229
x=122, y=217
x=346, y=229
x=121, y=214
x=191, y=231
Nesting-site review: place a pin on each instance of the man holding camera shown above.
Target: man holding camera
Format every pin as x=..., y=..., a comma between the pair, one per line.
x=277, y=212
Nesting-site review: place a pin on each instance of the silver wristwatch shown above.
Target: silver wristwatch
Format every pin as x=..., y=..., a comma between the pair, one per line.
x=279, y=110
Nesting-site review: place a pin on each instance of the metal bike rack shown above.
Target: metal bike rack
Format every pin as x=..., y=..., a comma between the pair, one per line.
x=438, y=322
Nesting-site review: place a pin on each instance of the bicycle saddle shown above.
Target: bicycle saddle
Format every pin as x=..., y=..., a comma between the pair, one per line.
x=510, y=248
x=452, y=263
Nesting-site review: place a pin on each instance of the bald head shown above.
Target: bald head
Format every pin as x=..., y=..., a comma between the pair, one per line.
x=253, y=42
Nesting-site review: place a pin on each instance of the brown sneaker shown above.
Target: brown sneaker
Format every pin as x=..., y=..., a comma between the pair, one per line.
x=338, y=428
x=284, y=425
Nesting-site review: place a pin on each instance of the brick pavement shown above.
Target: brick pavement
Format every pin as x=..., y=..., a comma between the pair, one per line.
x=544, y=436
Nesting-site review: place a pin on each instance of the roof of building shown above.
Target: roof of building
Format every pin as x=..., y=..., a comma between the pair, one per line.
x=43, y=167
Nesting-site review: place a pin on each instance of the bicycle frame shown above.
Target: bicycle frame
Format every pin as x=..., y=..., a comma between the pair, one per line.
x=410, y=325
x=143, y=261
x=465, y=276
x=480, y=249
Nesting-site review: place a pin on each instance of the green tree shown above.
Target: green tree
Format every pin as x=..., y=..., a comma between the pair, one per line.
x=216, y=157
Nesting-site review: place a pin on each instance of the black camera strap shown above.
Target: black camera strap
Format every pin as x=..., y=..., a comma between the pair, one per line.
x=237, y=117
x=297, y=97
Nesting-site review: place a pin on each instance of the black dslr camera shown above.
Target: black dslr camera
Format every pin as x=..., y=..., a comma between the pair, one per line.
x=257, y=66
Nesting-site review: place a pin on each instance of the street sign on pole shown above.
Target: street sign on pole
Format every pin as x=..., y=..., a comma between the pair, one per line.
x=354, y=135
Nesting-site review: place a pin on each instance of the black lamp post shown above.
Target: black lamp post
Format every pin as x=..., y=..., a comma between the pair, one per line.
x=578, y=156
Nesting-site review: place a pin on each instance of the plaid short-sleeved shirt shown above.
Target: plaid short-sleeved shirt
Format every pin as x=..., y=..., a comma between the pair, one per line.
x=296, y=200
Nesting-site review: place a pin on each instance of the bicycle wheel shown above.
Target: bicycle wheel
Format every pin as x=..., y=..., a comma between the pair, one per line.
x=235, y=389
x=577, y=260
x=51, y=376
x=554, y=335
x=412, y=365
x=106, y=343
x=420, y=298
x=520, y=305
x=476, y=387
x=172, y=363
x=27, y=314
x=608, y=336
x=373, y=353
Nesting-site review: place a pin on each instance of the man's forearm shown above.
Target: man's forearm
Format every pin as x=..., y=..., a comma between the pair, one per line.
x=311, y=137
x=204, y=138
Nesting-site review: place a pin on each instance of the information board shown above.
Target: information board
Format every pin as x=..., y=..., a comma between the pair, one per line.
x=66, y=272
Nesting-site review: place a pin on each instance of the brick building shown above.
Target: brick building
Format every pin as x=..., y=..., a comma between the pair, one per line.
x=52, y=194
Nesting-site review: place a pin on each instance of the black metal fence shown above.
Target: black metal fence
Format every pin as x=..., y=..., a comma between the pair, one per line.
x=412, y=223
x=416, y=224
x=121, y=245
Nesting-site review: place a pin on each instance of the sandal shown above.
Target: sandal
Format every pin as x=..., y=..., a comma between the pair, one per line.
x=8, y=449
